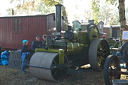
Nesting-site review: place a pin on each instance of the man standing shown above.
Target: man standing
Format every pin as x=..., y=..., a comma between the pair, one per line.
x=36, y=44
x=44, y=41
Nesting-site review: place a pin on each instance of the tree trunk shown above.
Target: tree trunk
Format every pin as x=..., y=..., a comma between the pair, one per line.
x=122, y=14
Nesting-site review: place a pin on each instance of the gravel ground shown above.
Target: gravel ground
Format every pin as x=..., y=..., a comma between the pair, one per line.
x=84, y=76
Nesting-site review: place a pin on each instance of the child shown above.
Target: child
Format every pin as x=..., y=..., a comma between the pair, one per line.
x=25, y=53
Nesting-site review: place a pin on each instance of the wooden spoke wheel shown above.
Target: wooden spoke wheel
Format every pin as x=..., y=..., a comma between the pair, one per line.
x=111, y=67
x=98, y=52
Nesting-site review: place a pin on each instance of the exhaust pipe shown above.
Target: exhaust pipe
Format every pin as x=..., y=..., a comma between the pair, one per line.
x=58, y=21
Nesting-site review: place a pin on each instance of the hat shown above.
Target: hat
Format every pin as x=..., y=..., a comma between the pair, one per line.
x=24, y=41
x=37, y=36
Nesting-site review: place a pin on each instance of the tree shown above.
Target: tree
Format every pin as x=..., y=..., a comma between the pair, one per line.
x=121, y=8
x=126, y=14
x=104, y=12
x=51, y=2
x=43, y=8
x=108, y=14
x=95, y=10
x=122, y=18
x=122, y=14
x=23, y=6
x=40, y=6
x=31, y=6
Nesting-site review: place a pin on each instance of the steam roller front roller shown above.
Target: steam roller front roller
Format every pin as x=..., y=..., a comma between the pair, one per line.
x=98, y=52
x=45, y=65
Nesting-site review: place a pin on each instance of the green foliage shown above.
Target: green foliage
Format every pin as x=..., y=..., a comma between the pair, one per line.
x=105, y=13
x=51, y=2
x=111, y=1
x=9, y=11
x=95, y=10
x=36, y=6
x=44, y=9
x=109, y=14
x=23, y=6
x=31, y=6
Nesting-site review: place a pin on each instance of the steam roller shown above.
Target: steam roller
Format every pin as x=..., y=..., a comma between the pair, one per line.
x=47, y=69
x=75, y=47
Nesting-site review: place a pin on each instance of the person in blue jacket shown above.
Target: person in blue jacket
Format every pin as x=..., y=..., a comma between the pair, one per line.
x=24, y=55
x=36, y=44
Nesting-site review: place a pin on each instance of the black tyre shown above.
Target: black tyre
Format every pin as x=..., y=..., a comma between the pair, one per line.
x=98, y=52
x=111, y=65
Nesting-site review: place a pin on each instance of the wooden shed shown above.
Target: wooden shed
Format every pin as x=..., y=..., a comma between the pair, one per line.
x=108, y=31
x=113, y=31
x=14, y=29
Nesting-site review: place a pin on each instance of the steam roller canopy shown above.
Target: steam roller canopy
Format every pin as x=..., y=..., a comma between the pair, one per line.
x=41, y=63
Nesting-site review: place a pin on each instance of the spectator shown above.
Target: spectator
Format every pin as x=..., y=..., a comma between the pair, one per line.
x=25, y=55
x=44, y=41
x=36, y=44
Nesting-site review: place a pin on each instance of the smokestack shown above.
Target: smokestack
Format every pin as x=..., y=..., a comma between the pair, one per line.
x=12, y=12
x=58, y=20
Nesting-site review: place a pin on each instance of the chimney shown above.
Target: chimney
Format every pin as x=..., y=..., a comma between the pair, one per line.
x=12, y=12
x=58, y=20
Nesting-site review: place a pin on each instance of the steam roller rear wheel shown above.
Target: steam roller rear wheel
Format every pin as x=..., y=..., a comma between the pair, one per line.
x=111, y=66
x=43, y=61
x=98, y=52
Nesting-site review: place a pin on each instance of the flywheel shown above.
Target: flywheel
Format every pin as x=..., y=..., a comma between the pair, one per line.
x=93, y=33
